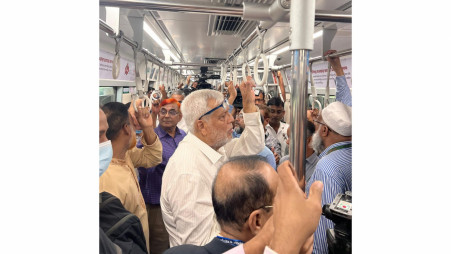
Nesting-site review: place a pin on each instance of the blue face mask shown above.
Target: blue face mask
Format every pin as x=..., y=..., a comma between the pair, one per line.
x=105, y=156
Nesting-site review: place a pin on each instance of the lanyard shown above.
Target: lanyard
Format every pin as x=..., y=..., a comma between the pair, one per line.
x=339, y=147
x=230, y=241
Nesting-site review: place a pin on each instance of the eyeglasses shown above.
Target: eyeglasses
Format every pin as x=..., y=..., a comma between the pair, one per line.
x=224, y=104
x=171, y=112
x=324, y=125
x=319, y=122
x=263, y=207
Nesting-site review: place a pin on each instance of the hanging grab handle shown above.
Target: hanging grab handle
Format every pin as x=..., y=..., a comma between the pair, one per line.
x=261, y=55
x=326, y=97
x=144, y=99
x=117, y=56
x=314, y=95
x=223, y=74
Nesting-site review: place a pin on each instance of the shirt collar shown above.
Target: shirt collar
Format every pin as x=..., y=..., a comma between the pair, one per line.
x=324, y=153
x=209, y=152
x=161, y=133
x=312, y=158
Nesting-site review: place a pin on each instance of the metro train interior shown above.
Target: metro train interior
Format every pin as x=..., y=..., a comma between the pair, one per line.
x=62, y=60
x=184, y=33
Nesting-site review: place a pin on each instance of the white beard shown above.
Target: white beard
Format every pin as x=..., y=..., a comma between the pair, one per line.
x=317, y=143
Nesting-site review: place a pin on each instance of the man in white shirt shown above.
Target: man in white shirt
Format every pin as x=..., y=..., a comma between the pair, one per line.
x=187, y=181
x=276, y=128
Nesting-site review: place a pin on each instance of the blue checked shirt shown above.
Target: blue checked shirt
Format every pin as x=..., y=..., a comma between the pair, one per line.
x=334, y=170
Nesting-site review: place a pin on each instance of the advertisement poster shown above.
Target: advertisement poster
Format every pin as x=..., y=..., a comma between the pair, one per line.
x=320, y=73
x=127, y=67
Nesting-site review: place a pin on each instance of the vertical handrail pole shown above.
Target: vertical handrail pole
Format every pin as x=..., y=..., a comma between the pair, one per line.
x=302, y=18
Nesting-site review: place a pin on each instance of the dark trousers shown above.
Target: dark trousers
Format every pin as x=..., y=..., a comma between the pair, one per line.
x=158, y=236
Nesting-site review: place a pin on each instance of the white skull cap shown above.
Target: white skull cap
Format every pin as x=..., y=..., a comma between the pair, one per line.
x=338, y=117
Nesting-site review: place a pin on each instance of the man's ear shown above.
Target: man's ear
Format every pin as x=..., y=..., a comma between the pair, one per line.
x=324, y=131
x=256, y=221
x=126, y=129
x=201, y=127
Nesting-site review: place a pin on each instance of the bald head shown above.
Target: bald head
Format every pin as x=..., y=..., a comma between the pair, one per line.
x=243, y=184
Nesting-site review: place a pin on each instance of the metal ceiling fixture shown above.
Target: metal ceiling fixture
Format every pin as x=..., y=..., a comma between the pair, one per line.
x=209, y=60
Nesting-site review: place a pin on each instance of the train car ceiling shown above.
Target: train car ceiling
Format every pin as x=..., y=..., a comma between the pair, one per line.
x=210, y=38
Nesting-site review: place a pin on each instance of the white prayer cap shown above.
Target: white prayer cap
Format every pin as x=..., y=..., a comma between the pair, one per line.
x=338, y=117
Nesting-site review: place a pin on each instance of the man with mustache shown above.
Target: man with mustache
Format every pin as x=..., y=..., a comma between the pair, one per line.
x=120, y=178
x=150, y=178
x=185, y=200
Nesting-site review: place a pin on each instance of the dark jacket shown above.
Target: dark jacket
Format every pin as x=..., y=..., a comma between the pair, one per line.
x=213, y=247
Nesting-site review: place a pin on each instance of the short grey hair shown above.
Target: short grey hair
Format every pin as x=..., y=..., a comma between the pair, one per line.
x=178, y=92
x=196, y=104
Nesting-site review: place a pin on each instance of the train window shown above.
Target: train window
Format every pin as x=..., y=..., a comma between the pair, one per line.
x=106, y=94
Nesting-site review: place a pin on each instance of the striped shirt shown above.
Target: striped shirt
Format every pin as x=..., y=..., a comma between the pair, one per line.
x=343, y=92
x=335, y=171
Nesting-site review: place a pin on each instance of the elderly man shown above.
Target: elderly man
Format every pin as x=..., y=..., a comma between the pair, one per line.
x=150, y=178
x=242, y=196
x=186, y=189
x=120, y=179
x=333, y=141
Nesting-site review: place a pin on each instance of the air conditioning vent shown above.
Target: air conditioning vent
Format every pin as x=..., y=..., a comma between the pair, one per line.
x=225, y=23
x=213, y=60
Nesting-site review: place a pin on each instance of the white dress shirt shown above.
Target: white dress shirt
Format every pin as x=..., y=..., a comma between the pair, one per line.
x=182, y=125
x=185, y=201
x=281, y=135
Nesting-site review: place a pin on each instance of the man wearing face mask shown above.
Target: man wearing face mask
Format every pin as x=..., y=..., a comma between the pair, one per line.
x=120, y=178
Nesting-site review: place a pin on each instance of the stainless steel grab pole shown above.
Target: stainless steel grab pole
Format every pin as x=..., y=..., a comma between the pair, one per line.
x=302, y=17
x=187, y=6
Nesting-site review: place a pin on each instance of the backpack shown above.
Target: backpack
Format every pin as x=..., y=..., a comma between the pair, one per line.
x=122, y=227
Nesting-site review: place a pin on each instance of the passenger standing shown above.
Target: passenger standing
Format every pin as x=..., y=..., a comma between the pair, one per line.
x=333, y=142
x=186, y=189
x=242, y=195
x=270, y=142
x=120, y=179
x=312, y=157
x=276, y=128
x=259, y=97
x=266, y=152
x=150, y=178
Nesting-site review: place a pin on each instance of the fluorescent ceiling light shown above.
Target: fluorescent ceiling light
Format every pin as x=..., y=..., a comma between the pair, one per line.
x=154, y=36
x=318, y=34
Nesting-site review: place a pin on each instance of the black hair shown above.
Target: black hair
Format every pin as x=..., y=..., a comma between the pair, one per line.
x=248, y=193
x=276, y=101
x=117, y=115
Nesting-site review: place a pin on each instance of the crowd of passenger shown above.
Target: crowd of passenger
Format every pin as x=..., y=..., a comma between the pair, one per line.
x=201, y=171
